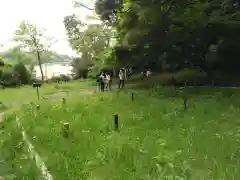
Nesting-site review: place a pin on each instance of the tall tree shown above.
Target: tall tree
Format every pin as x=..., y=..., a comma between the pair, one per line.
x=182, y=30
x=88, y=40
x=34, y=40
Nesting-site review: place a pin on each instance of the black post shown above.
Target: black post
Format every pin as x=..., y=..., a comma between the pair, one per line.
x=185, y=102
x=174, y=82
x=37, y=86
x=185, y=84
x=38, y=93
x=132, y=97
x=66, y=130
x=38, y=107
x=213, y=83
x=115, y=122
x=63, y=100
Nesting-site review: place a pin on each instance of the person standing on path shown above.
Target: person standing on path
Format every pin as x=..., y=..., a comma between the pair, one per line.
x=148, y=73
x=125, y=73
x=101, y=80
x=109, y=82
x=121, y=79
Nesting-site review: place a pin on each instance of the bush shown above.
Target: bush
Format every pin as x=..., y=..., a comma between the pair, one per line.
x=82, y=73
x=65, y=78
x=9, y=78
x=14, y=75
x=190, y=76
x=60, y=78
x=23, y=73
x=95, y=71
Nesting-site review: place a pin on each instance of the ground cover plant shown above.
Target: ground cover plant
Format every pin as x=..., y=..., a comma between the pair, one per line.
x=14, y=97
x=15, y=162
x=157, y=138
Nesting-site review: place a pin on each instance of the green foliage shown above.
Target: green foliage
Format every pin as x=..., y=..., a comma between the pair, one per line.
x=15, y=55
x=157, y=142
x=1, y=62
x=90, y=41
x=184, y=30
x=15, y=162
x=15, y=75
x=60, y=78
x=23, y=73
x=33, y=39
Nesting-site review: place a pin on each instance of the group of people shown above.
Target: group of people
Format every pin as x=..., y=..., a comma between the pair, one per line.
x=104, y=82
x=105, y=79
x=145, y=74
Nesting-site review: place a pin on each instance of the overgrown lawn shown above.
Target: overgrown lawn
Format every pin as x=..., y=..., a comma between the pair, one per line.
x=157, y=138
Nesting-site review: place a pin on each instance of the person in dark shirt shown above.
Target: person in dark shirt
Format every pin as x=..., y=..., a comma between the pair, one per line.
x=101, y=80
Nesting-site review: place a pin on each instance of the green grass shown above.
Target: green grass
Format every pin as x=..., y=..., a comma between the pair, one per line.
x=15, y=162
x=157, y=138
x=15, y=97
x=14, y=157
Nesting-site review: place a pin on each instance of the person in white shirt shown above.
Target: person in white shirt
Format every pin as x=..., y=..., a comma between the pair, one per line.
x=125, y=73
x=108, y=82
x=121, y=78
x=148, y=73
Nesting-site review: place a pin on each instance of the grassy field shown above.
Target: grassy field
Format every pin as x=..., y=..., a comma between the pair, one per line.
x=15, y=97
x=157, y=138
x=15, y=162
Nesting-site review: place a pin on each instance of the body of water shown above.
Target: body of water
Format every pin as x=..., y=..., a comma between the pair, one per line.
x=51, y=70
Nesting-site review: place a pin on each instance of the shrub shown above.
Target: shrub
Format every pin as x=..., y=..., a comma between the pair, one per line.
x=82, y=73
x=65, y=78
x=23, y=73
x=9, y=78
x=60, y=78
x=14, y=75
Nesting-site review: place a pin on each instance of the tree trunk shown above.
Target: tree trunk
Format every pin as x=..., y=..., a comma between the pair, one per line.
x=40, y=64
x=36, y=45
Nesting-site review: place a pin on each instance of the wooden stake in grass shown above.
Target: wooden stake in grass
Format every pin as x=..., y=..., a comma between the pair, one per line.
x=63, y=100
x=38, y=107
x=66, y=130
x=174, y=82
x=154, y=87
x=212, y=82
x=185, y=84
x=195, y=82
x=115, y=119
x=37, y=86
x=185, y=102
x=132, y=97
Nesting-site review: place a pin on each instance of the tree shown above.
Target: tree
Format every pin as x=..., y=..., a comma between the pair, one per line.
x=106, y=9
x=90, y=41
x=183, y=30
x=33, y=39
x=22, y=73
x=15, y=54
x=1, y=62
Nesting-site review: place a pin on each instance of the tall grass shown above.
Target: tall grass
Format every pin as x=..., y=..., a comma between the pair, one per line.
x=157, y=138
x=15, y=162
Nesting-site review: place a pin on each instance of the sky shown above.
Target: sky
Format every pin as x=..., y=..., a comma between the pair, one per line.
x=47, y=14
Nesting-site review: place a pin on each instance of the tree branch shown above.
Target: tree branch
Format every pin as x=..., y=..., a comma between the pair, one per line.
x=79, y=4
